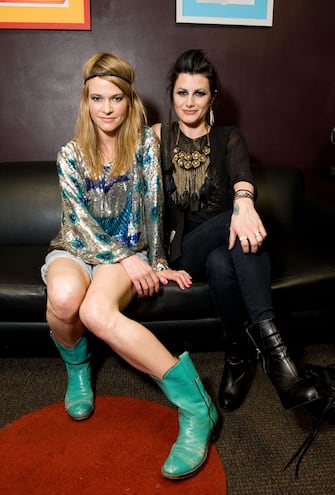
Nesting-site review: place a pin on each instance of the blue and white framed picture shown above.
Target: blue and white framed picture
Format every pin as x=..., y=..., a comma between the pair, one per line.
x=233, y=12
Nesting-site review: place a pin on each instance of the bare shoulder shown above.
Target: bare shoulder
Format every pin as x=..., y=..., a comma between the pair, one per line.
x=157, y=129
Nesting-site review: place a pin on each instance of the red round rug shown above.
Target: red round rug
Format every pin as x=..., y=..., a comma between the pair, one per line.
x=119, y=450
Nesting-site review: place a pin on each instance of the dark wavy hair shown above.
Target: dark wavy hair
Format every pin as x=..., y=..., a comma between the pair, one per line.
x=193, y=61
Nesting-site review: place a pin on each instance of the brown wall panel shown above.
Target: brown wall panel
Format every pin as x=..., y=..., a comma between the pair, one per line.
x=278, y=82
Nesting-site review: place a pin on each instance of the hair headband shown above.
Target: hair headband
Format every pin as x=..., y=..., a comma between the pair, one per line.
x=101, y=74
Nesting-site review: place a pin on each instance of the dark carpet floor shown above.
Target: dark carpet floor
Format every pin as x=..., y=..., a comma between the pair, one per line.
x=256, y=441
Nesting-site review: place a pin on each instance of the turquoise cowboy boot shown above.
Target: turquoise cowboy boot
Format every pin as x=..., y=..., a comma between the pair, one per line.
x=79, y=395
x=199, y=421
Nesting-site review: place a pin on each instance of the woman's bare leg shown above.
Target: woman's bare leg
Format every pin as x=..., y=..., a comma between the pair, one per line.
x=67, y=283
x=109, y=293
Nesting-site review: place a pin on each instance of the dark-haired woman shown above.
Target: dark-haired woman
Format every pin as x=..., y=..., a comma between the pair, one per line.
x=215, y=233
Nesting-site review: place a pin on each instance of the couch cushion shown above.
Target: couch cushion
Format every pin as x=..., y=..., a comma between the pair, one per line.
x=23, y=294
x=30, y=210
x=303, y=276
x=22, y=291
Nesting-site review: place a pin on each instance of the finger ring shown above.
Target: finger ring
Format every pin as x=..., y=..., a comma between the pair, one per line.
x=243, y=238
x=257, y=234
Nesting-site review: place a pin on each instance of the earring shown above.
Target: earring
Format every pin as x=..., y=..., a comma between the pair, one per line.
x=211, y=116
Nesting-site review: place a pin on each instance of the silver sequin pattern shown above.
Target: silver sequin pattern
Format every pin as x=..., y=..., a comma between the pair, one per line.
x=108, y=219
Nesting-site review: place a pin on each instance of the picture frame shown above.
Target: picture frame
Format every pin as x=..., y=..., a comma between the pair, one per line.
x=230, y=12
x=45, y=14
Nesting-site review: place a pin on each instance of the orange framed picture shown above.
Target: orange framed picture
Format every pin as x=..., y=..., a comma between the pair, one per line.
x=45, y=14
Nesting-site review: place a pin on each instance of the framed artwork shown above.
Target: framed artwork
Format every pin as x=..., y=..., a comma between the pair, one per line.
x=45, y=14
x=233, y=12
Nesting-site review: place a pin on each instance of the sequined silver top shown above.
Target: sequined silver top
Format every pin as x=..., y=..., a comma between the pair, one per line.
x=106, y=220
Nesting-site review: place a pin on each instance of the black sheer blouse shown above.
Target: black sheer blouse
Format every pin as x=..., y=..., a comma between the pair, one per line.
x=229, y=164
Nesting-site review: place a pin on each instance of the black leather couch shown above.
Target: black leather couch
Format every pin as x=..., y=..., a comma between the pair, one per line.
x=299, y=242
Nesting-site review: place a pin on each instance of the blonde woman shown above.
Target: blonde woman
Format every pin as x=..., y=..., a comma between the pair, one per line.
x=109, y=249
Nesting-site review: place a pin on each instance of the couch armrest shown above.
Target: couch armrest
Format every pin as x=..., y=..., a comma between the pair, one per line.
x=278, y=193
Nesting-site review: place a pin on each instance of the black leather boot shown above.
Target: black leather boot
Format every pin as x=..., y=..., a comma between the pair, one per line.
x=238, y=373
x=292, y=390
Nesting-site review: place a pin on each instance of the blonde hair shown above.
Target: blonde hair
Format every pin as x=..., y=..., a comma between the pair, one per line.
x=118, y=71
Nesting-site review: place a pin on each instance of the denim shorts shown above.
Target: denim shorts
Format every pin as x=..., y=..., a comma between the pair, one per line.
x=60, y=253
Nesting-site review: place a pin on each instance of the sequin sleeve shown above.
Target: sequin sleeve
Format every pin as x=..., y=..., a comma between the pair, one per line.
x=80, y=233
x=153, y=199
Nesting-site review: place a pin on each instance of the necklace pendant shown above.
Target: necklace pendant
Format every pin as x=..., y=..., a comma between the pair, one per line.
x=192, y=158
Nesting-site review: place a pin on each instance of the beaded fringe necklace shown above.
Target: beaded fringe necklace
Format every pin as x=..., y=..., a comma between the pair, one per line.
x=191, y=160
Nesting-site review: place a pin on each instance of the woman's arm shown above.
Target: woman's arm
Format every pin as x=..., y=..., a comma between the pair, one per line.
x=246, y=225
x=153, y=198
x=181, y=277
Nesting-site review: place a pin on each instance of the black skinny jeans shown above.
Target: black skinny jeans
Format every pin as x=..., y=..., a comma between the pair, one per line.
x=240, y=283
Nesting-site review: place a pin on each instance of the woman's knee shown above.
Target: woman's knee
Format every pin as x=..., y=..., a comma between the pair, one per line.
x=64, y=298
x=99, y=316
x=219, y=266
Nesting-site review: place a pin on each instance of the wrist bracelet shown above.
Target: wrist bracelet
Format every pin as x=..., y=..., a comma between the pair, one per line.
x=244, y=190
x=243, y=193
